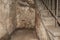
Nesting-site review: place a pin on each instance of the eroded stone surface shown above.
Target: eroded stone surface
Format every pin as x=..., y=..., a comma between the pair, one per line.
x=24, y=35
x=3, y=30
x=25, y=15
x=13, y=15
x=4, y=11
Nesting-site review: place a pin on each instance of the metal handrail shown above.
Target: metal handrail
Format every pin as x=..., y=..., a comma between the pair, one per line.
x=51, y=13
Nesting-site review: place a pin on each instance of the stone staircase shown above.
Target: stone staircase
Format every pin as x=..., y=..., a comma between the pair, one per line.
x=49, y=22
x=53, y=32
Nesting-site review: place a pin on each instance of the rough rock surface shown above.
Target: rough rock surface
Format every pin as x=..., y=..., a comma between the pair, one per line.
x=13, y=15
x=4, y=11
x=25, y=14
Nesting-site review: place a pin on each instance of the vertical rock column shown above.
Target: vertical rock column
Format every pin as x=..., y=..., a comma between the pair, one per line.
x=11, y=21
x=4, y=12
x=7, y=17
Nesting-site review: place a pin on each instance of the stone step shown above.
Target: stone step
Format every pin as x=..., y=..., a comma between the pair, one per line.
x=53, y=37
x=48, y=21
x=54, y=32
x=24, y=35
x=44, y=13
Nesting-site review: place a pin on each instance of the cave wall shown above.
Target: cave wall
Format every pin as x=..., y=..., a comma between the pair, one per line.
x=13, y=15
x=25, y=14
x=7, y=16
x=4, y=12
